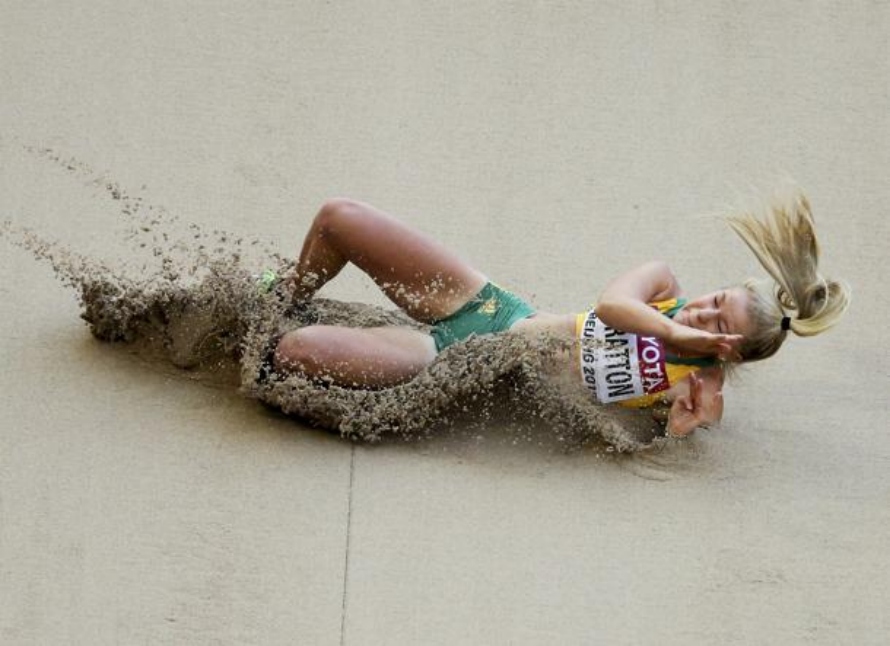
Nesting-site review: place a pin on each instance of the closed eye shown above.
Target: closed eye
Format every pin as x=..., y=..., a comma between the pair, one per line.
x=720, y=327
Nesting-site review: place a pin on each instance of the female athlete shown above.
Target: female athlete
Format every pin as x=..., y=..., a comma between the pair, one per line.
x=644, y=344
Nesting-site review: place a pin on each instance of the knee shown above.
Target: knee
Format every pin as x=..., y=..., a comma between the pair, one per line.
x=335, y=214
x=297, y=351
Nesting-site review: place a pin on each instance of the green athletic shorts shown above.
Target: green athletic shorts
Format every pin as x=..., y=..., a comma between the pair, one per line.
x=491, y=310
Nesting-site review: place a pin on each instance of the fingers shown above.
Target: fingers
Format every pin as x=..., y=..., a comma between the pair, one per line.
x=695, y=388
x=731, y=340
x=708, y=408
x=685, y=403
x=725, y=346
x=691, y=402
x=693, y=409
x=718, y=405
x=726, y=352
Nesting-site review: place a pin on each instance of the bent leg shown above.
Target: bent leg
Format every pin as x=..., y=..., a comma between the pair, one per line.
x=424, y=278
x=356, y=357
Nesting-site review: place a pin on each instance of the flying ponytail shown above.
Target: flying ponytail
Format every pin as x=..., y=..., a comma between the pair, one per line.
x=786, y=246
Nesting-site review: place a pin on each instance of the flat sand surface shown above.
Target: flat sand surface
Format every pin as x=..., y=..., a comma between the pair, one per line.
x=554, y=145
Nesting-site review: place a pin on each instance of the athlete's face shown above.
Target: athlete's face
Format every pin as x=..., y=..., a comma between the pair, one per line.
x=722, y=312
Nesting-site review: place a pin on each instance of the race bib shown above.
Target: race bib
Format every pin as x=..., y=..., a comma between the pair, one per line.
x=617, y=365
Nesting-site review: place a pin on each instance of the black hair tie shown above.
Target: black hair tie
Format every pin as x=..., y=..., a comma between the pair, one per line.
x=786, y=323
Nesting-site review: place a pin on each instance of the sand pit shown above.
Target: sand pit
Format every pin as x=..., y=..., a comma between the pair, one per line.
x=552, y=145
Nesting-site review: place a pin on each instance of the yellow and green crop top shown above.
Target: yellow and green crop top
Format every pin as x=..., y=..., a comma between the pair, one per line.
x=630, y=369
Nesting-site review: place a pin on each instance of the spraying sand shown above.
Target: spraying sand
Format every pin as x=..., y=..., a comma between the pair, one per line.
x=203, y=311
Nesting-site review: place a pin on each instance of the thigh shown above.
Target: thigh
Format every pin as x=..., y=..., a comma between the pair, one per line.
x=359, y=357
x=419, y=274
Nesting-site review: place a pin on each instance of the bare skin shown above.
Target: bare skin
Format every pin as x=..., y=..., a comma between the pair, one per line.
x=418, y=274
x=429, y=283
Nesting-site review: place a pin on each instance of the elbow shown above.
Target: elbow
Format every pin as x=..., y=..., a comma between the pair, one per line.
x=606, y=308
x=614, y=310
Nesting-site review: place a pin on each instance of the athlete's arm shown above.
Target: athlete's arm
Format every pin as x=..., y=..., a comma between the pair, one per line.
x=624, y=303
x=700, y=402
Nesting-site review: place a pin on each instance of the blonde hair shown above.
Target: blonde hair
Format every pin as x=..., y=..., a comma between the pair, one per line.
x=786, y=246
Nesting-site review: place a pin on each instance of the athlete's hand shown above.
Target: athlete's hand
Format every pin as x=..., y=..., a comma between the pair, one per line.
x=694, y=409
x=701, y=342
